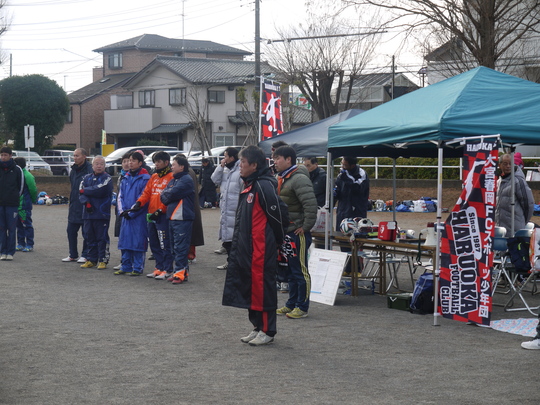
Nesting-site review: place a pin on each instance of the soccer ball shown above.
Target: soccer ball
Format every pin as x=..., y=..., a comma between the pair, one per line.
x=48, y=201
x=348, y=226
x=364, y=222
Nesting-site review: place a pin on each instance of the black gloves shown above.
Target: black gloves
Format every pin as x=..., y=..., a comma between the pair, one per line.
x=155, y=215
x=89, y=208
x=125, y=215
x=136, y=206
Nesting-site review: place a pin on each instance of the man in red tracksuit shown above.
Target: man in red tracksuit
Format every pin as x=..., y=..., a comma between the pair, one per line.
x=261, y=219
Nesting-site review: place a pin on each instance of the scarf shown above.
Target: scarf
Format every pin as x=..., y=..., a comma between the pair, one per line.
x=164, y=171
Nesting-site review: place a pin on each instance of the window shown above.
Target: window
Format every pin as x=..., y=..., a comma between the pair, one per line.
x=223, y=139
x=124, y=101
x=146, y=98
x=216, y=96
x=115, y=60
x=241, y=95
x=69, y=116
x=177, y=96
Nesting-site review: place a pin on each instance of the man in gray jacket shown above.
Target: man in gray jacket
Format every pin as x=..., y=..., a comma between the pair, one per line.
x=296, y=190
x=524, y=201
x=227, y=177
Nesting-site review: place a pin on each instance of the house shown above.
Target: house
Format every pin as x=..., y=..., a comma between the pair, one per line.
x=521, y=60
x=189, y=103
x=371, y=90
x=121, y=61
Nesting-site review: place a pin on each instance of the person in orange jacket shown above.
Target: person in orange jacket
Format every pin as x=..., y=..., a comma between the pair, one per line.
x=158, y=225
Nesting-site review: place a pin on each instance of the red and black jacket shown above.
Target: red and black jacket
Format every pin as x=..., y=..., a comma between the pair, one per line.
x=261, y=220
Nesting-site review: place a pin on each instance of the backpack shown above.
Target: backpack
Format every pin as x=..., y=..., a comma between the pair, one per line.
x=422, y=298
x=518, y=248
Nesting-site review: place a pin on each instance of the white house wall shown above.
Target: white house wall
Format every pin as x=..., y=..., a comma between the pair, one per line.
x=161, y=80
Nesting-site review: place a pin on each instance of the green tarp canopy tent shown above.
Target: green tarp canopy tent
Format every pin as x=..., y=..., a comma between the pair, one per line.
x=478, y=102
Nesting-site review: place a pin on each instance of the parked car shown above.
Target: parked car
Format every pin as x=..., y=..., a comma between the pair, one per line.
x=113, y=161
x=33, y=160
x=59, y=160
x=150, y=162
x=216, y=154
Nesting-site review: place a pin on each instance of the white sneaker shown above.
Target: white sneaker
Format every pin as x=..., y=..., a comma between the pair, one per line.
x=163, y=276
x=253, y=334
x=3, y=257
x=532, y=345
x=261, y=339
x=223, y=266
x=69, y=259
x=119, y=267
x=220, y=251
x=81, y=260
x=9, y=257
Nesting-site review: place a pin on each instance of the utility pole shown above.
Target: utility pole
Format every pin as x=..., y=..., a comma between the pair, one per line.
x=393, y=74
x=257, y=40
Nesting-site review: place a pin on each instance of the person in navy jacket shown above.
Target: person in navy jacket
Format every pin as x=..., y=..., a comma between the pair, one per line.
x=133, y=240
x=96, y=197
x=179, y=197
x=79, y=169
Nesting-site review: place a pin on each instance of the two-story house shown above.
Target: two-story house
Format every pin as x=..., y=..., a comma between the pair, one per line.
x=121, y=61
x=187, y=102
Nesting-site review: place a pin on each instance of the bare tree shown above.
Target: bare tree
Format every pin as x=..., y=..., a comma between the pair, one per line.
x=197, y=112
x=494, y=33
x=320, y=57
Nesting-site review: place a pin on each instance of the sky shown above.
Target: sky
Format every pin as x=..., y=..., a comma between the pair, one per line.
x=56, y=37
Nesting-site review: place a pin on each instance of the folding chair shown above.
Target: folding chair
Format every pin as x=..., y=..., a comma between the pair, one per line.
x=501, y=260
x=518, y=286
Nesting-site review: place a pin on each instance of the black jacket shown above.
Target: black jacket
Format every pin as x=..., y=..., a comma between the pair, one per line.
x=261, y=220
x=318, y=178
x=76, y=176
x=352, y=192
x=11, y=184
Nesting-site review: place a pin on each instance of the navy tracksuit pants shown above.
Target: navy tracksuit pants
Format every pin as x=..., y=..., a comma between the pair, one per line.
x=96, y=232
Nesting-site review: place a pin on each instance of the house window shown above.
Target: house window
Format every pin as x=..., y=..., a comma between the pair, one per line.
x=115, y=60
x=146, y=98
x=69, y=116
x=223, y=140
x=216, y=96
x=241, y=95
x=124, y=101
x=177, y=96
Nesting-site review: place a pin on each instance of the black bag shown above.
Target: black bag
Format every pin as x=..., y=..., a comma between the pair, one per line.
x=518, y=248
x=422, y=299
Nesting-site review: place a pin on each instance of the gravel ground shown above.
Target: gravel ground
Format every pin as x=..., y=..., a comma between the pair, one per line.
x=74, y=336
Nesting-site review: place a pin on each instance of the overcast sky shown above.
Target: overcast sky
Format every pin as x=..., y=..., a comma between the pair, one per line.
x=56, y=37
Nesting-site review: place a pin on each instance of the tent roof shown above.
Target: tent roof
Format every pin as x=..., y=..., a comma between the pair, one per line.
x=478, y=102
x=310, y=140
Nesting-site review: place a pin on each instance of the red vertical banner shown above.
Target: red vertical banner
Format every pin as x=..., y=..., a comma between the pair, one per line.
x=466, y=254
x=271, y=117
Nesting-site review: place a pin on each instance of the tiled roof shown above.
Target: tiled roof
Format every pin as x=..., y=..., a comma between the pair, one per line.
x=301, y=115
x=152, y=42
x=242, y=118
x=377, y=79
x=98, y=87
x=208, y=71
x=168, y=129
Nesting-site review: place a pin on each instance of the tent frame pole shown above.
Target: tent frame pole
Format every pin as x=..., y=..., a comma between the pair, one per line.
x=329, y=204
x=436, y=265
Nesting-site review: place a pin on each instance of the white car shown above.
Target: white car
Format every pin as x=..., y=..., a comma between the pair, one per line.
x=33, y=160
x=150, y=162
